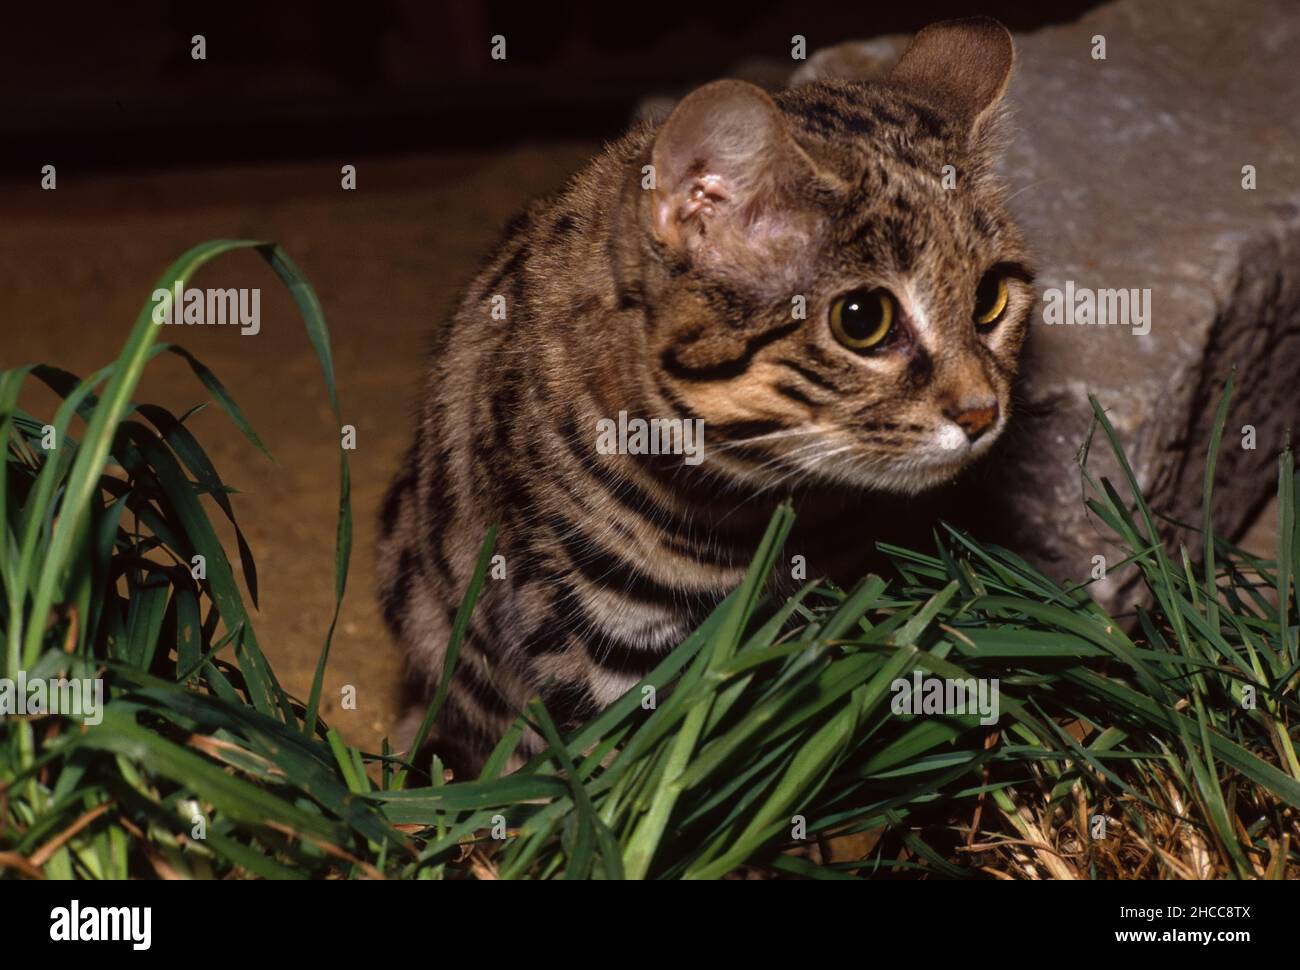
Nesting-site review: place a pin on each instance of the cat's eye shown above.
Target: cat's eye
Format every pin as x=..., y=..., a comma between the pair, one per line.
x=862, y=319
x=990, y=300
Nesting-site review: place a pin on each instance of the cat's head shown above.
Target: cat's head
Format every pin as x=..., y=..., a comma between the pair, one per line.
x=834, y=282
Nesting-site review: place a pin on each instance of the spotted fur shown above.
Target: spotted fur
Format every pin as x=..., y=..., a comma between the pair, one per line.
x=676, y=301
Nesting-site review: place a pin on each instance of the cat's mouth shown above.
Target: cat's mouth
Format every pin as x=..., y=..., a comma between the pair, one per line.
x=934, y=460
x=949, y=452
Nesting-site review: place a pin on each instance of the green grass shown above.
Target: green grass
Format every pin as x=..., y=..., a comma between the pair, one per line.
x=771, y=746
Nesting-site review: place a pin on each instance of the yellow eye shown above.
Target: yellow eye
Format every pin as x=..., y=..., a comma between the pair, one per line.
x=990, y=300
x=862, y=319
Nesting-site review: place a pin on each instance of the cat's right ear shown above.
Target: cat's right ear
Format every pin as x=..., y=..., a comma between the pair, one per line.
x=725, y=167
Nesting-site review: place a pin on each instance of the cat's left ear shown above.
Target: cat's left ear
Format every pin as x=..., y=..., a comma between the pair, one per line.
x=963, y=66
x=727, y=175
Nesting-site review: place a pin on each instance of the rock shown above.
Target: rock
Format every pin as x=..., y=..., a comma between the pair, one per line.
x=1127, y=173
x=859, y=60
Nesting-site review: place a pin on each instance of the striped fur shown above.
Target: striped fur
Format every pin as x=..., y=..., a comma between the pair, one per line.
x=676, y=301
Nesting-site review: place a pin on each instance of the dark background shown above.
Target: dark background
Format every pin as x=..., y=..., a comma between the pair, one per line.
x=113, y=85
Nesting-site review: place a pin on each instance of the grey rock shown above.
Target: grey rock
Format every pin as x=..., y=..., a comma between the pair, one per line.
x=857, y=60
x=1127, y=172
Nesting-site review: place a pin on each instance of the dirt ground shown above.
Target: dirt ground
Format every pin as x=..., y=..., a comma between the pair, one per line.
x=387, y=261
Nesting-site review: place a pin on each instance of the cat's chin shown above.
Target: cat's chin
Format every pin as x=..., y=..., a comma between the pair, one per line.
x=921, y=471
x=924, y=478
x=934, y=468
x=908, y=477
x=918, y=478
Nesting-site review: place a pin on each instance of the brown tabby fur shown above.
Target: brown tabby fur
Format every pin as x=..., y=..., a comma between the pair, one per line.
x=677, y=301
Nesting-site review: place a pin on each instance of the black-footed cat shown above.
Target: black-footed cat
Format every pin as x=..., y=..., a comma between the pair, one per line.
x=802, y=276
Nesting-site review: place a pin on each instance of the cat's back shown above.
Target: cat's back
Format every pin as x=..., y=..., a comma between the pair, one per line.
x=506, y=347
x=551, y=259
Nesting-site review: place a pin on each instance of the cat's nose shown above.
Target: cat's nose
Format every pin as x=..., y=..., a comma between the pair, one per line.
x=974, y=417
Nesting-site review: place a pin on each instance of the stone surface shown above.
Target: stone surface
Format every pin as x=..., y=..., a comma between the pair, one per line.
x=1127, y=173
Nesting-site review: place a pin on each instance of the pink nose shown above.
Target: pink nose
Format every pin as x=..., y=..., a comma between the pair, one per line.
x=974, y=420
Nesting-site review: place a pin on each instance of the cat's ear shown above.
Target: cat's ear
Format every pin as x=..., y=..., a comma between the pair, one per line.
x=961, y=65
x=726, y=170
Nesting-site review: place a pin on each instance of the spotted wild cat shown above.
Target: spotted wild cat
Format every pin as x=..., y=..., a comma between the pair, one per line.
x=801, y=277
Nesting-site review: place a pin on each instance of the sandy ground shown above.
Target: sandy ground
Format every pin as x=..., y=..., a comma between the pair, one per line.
x=387, y=260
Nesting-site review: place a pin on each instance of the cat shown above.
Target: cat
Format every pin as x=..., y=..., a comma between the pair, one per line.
x=802, y=274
